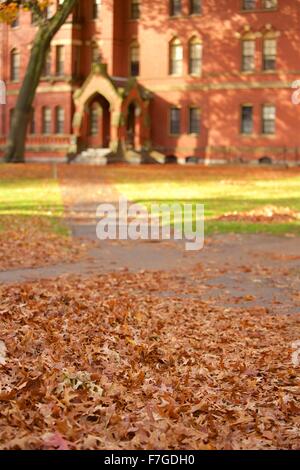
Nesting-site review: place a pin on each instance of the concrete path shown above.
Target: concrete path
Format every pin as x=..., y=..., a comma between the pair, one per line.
x=233, y=270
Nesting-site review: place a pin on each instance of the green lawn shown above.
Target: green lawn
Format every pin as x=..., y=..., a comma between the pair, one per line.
x=24, y=198
x=29, y=191
x=221, y=190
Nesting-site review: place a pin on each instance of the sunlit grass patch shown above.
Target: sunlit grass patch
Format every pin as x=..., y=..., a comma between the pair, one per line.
x=221, y=194
x=24, y=199
x=30, y=197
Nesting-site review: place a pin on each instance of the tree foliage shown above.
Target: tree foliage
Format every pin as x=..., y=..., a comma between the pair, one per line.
x=9, y=8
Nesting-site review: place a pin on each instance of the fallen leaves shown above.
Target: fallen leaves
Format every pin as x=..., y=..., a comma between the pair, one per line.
x=265, y=214
x=55, y=441
x=108, y=362
x=31, y=242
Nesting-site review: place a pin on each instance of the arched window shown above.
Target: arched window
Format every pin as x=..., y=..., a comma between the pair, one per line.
x=77, y=12
x=59, y=120
x=195, y=7
x=16, y=22
x=195, y=56
x=2, y=92
x=134, y=60
x=32, y=123
x=176, y=57
x=135, y=9
x=49, y=12
x=269, y=53
x=175, y=7
x=46, y=120
x=248, y=54
x=48, y=64
x=97, y=4
x=60, y=61
x=15, y=60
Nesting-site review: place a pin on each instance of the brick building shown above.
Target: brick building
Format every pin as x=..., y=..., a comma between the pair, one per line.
x=191, y=79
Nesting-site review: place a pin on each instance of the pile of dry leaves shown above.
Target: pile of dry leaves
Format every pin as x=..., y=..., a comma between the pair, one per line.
x=266, y=214
x=111, y=363
x=31, y=242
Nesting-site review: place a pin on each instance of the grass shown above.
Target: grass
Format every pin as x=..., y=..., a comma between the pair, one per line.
x=31, y=191
x=221, y=190
x=24, y=198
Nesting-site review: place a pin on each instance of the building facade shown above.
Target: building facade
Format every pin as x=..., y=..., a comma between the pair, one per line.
x=191, y=80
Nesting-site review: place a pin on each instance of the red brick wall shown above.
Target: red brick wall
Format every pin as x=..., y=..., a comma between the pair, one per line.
x=219, y=92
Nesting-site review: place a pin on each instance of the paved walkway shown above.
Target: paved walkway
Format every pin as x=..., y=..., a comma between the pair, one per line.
x=258, y=271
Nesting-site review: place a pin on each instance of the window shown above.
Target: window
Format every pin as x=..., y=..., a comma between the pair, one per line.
x=175, y=121
x=34, y=18
x=77, y=61
x=175, y=7
x=16, y=22
x=269, y=54
x=134, y=60
x=176, y=57
x=248, y=61
x=15, y=60
x=77, y=13
x=46, y=120
x=135, y=9
x=195, y=57
x=249, y=4
x=2, y=92
x=59, y=120
x=97, y=4
x=48, y=12
x=11, y=116
x=94, y=119
x=194, y=120
x=268, y=119
x=47, y=65
x=195, y=7
x=247, y=119
x=60, y=61
x=270, y=4
x=32, y=124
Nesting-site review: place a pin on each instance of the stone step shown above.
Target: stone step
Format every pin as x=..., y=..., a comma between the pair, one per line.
x=93, y=157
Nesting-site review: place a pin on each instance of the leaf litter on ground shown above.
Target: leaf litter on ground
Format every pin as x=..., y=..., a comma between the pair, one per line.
x=107, y=362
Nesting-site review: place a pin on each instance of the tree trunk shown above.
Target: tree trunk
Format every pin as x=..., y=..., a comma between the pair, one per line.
x=17, y=136
x=22, y=112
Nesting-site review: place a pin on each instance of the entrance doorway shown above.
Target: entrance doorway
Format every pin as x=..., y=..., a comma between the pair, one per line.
x=98, y=122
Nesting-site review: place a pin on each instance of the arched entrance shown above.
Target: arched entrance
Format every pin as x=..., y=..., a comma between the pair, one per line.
x=111, y=112
x=97, y=123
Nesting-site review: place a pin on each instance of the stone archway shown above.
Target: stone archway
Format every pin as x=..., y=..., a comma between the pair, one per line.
x=123, y=97
x=98, y=84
